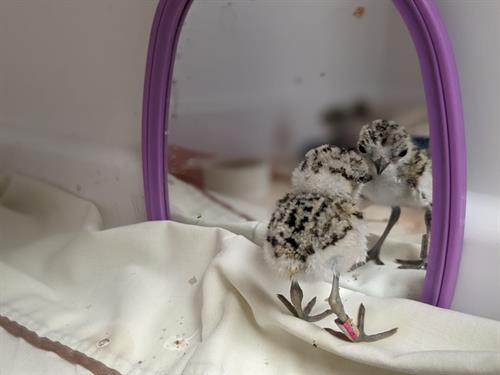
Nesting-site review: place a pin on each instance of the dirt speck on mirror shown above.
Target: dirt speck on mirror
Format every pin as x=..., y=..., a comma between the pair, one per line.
x=359, y=12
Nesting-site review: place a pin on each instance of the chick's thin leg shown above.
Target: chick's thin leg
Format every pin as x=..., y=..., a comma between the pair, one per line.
x=350, y=331
x=295, y=306
x=374, y=252
x=424, y=249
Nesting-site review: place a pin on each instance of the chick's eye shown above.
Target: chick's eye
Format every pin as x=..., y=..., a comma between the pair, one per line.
x=403, y=153
x=361, y=149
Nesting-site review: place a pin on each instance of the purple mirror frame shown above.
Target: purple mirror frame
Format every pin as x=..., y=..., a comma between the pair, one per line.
x=442, y=90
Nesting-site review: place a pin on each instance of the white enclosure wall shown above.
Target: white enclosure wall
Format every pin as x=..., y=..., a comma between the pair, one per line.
x=71, y=84
x=475, y=30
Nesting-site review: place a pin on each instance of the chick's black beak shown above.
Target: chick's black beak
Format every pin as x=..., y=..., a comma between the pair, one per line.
x=380, y=165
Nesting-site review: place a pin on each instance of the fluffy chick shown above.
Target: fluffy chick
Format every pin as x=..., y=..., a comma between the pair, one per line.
x=317, y=232
x=403, y=177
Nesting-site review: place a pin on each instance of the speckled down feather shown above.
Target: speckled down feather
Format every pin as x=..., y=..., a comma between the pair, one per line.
x=308, y=222
x=412, y=169
x=386, y=134
x=318, y=229
x=333, y=160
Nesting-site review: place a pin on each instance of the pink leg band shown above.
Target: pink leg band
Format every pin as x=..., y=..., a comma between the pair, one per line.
x=348, y=329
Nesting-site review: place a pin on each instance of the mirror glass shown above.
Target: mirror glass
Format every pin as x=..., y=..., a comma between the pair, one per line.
x=259, y=83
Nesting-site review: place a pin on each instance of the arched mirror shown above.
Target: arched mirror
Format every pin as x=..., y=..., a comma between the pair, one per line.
x=252, y=88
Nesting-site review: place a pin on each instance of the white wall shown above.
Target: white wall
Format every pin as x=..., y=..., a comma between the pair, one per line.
x=71, y=82
x=249, y=64
x=475, y=30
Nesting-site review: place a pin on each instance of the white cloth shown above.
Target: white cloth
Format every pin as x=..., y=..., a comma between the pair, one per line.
x=17, y=357
x=169, y=298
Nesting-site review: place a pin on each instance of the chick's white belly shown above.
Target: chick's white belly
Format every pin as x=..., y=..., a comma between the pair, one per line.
x=388, y=191
x=338, y=258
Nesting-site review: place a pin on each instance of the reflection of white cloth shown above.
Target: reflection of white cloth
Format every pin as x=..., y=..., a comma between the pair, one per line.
x=161, y=297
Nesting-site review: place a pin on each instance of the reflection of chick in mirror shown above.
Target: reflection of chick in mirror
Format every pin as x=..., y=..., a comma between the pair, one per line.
x=317, y=232
x=403, y=178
